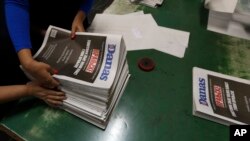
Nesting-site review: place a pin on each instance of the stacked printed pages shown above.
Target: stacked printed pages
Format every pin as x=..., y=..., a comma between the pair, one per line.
x=229, y=17
x=221, y=98
x=92, y=71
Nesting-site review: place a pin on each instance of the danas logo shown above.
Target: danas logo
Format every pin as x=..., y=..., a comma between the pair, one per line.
x=202, y=92
x=108, y=62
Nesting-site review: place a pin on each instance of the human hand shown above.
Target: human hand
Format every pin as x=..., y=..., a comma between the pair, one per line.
x=40, y=71
x=51, y=97
x=77, y=25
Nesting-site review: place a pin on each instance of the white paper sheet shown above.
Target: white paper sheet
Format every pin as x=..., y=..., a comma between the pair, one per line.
x=140, y=31
x=136, y=30
x=171, y=41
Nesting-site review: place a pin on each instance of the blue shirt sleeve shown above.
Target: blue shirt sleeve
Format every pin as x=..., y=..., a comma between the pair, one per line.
x=86, y=6
x=18, y=23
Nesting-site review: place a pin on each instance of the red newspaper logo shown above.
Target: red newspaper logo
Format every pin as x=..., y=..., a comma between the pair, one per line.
x=218, y=96
x=93, y=61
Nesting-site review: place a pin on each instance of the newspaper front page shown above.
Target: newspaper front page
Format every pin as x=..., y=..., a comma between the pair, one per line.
x=221, y=98
x=91, y=59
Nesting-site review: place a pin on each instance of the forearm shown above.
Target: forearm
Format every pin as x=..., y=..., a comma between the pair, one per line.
x=9, y=93
x=80, y=17
x=81, y=14
x=25, y=57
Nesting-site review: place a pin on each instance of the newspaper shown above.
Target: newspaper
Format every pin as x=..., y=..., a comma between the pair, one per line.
x=221, y=98
x=91, y=59
x=92, y=71
x=229, y=17
x=227, y=6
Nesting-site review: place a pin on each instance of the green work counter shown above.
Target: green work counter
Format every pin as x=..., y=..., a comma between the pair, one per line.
x=156, y=105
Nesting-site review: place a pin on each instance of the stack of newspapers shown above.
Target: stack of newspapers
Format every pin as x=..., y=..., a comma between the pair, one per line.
x=92, y=71
x=230, y=17
x=221, y=98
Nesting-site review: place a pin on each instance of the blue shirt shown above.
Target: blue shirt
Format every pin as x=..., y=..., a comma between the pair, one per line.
x=18, y=21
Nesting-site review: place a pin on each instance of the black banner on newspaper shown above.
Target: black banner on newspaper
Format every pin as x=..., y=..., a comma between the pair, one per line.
x=229, y=98
x=80, y=58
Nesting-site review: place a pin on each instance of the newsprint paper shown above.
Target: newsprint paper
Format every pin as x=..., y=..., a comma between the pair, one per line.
x=221, y=98
x=92, y=71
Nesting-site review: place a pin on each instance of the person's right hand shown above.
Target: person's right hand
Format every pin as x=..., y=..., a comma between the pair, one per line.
x=77, y=24
x=51, y=97
x=40, y=71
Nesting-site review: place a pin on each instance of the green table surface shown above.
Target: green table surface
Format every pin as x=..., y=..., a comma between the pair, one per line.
x=156, y=105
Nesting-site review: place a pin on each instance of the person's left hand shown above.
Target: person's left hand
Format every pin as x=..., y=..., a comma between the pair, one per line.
x=77, y=25
x=53, y=98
